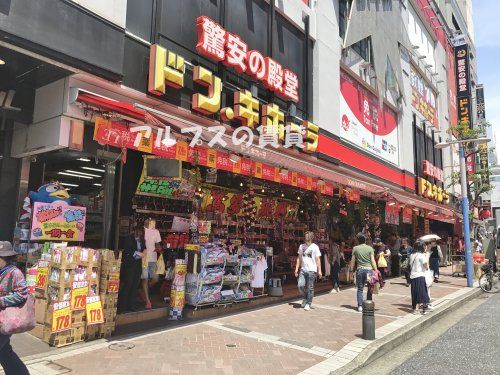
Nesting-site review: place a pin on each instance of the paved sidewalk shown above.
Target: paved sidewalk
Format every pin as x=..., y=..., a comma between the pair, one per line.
x=282, y=339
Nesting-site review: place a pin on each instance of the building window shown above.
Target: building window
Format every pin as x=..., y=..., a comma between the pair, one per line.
x=344, y=9
x=363, y=49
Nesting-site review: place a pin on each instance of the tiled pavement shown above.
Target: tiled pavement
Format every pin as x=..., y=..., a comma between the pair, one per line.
x=281, y=339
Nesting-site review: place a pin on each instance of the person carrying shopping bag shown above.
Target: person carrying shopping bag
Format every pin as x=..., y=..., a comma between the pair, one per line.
x=13, y=294
x=307, y=268
x=419, y=265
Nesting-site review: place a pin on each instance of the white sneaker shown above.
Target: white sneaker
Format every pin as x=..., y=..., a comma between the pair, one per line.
x=303, y=304
x=333, y=291
x=307, y=307
x=417, y=312
x=338, y=289
x=360, y=309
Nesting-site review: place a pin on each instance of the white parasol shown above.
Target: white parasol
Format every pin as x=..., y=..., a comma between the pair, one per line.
x=430, y=237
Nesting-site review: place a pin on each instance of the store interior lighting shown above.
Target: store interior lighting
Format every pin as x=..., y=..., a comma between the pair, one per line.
x=82, y=173
x=94, y=169
x=84, y=159
x=68, y=184
x=75, y=175
x=391, y=203
x=2, y=62
x=96, y=184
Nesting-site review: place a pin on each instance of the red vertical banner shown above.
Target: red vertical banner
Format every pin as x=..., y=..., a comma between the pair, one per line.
x=301, y=181
x=246, y=167
x=470, y=165
x=268, y=172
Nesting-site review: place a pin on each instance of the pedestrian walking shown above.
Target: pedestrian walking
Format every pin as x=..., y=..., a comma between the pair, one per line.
x=307, y=268
x=13, y=292
x=382, y=254
x=435, y=258
x=364, y=259
x=394, y=245
x=419, y=265
x=404, y=253
x=335, y=255
x=133, y=251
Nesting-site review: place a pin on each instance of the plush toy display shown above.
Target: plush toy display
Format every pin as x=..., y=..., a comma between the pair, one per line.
x=50, y=193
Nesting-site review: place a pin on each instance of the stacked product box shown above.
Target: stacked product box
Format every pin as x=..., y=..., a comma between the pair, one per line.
x=66, y=283
x=109, y=285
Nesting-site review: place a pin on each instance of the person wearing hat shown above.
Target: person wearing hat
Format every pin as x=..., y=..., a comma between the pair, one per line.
x=13, y=292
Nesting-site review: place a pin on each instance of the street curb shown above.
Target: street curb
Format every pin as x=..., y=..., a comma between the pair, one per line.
x=389, y=342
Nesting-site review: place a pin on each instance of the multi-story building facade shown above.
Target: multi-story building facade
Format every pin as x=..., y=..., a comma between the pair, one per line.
x=376, y=77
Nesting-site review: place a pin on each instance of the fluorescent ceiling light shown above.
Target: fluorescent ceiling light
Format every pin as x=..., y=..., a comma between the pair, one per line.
x=82, y=173
x=2, y=62
x=97, y=184
x=94, y=169
x=84, y=159
x=75, y=175
x=391, y=203
x=67, y=184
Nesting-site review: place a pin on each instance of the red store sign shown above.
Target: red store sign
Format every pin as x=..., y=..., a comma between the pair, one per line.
x=219, y=44
x=432, y=171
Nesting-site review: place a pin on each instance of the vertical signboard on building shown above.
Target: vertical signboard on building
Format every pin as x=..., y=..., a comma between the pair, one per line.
x=462, y=74
x=481, y=116
x=462, y=77
x=423, y=98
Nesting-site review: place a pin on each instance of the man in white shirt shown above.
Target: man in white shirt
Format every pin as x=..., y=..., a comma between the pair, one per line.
x=309, y=264
x=152, y=238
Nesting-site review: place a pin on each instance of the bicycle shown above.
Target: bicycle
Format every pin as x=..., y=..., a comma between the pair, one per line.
x=489, y=281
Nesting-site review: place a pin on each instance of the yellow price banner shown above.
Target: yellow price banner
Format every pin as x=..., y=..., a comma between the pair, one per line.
x=79, y=292
x=42, y=274
x=61, y=316
x=94, y=311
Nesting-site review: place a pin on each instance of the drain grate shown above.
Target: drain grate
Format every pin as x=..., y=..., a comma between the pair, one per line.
x=121, y=346
x=231, y=345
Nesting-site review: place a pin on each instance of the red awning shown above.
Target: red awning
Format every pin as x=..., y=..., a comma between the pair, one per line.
x=126, y=109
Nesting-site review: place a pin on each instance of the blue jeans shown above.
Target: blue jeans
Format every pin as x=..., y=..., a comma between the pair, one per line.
x=11, y=363
x=306, y=285
x=361, y=277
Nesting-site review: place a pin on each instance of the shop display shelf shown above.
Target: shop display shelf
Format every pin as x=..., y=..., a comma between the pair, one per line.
x=165, y=213
x=170, y=198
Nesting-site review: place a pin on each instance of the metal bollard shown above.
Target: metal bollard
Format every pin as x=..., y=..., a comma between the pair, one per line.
x=368, y=320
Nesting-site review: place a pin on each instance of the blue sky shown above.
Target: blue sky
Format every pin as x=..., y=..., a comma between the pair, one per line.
x=486, y=14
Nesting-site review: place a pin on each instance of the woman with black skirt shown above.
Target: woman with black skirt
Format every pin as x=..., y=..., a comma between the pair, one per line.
x=419, y=264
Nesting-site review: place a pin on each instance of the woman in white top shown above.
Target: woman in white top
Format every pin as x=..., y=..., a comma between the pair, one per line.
x=419, y=264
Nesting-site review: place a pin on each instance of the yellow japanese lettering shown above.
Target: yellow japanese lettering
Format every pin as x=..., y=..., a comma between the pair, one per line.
x=207, y=104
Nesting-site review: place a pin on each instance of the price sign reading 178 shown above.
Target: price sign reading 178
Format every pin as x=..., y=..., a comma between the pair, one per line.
x=79, y=292
x=94, y=311
x=61, y=316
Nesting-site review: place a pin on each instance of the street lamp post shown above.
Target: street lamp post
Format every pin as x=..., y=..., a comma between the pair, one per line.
x=465, y=200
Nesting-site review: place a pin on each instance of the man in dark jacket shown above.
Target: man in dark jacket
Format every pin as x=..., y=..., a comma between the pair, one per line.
x=133, y=247
x=404, y=254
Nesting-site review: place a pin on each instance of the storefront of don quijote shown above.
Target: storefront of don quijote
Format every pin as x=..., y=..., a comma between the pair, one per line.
x=201, y=133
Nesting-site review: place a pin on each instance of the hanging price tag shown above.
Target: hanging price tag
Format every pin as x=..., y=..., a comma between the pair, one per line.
x=94, y=311
x=79, y=292
x=61, y=316
x=113, y=283
x=42, y=274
